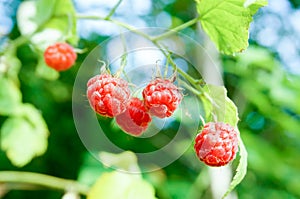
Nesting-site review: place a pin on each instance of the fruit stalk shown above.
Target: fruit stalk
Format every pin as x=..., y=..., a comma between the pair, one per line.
x=155, y=40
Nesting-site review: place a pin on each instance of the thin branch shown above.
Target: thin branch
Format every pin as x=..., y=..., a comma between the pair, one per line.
x=190, y=88
x=164, y=50
x=113, y=10
x=42, y=180
x=176, y=29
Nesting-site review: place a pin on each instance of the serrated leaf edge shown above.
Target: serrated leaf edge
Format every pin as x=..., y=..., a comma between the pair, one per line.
x=241, y=169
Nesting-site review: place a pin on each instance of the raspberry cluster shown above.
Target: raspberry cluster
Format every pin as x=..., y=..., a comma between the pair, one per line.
x=110, y=96
x=217, y=144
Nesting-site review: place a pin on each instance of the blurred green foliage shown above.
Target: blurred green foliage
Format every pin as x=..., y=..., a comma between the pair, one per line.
x=267, y=97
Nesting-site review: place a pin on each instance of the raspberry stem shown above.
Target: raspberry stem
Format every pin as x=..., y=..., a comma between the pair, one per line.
x=113, y=10
x=42, y=180
x=176, y=29
x=189, y=87
x=123, y=58
x=165, y=51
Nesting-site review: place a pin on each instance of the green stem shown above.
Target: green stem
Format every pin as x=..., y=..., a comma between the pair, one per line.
x=93, y=17
x=193, y=81
x=20, y=41
x=190, y=88
x=14, y=44
x=42, y=180
x=176, y=29
x=119, y=23
x=113, y=10
x=131, y=28
x=190, y=79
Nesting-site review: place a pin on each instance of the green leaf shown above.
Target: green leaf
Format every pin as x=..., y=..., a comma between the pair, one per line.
x=24, y=137
x=218, y=100
x=218, y=106
x=10, y=66
x=115, y=185
x=227, y=22
x=48, y=22
x=241, y=169
x=231, y=113
x=207, y=106
x=10, y=97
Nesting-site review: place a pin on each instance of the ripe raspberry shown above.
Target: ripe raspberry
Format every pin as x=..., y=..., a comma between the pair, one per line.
x=217, y=144
x=161, y=97
x=108, y=95
x=135, y=119
x=60, y=56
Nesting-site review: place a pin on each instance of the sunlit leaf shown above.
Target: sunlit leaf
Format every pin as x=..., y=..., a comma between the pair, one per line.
x=115, y=185
x=254, y=5
x=10, y=96
x=227, y=22
x=218, y=106
x=10, y=66
x=24, y=137
x=47, y=21
x=231, y=113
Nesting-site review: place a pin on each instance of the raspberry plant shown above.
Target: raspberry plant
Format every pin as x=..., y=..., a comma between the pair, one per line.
x=110, y=95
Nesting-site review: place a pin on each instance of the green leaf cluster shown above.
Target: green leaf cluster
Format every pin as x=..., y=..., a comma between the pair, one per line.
x=24, y=136
x=24, y=133
x=47, y=22
x=273, y=95
x=227, y=22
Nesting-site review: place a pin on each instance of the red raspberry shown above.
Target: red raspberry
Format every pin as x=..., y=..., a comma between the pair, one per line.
x=60, y=56
x=217, y=144
x=161, y=97
x=135, y=119
x=108, y=95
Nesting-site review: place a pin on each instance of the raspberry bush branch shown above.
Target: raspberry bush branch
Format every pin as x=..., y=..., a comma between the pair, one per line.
x=113, y=10
x=176, y=29
x=42, y=180
x=155, y=40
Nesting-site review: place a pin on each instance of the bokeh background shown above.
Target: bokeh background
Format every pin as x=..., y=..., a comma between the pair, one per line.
x=264, y=82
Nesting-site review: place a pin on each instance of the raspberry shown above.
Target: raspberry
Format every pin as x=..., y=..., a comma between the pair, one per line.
x=108, y=95
x=161, y=97
x=135, y=119
x=60, y=56
x=217, y=144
